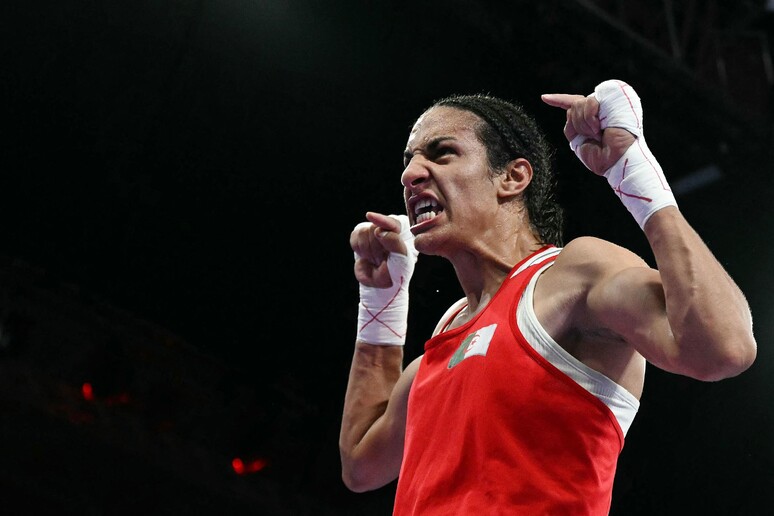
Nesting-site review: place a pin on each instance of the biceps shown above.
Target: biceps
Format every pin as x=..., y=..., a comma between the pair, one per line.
x=631, y=303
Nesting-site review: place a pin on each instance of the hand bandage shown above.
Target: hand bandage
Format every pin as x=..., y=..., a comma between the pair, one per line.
x=636, y=177
x=383, y=312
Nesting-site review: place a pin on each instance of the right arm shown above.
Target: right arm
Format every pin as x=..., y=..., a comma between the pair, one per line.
x=374, y=416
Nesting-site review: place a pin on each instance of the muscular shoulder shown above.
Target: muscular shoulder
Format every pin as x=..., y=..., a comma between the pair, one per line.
x=561, y=293
x=589, y=256
x=583, y=300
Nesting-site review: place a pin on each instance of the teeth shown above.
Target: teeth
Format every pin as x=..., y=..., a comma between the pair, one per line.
x=425, y=216
x=424, y=203
x=422, y=213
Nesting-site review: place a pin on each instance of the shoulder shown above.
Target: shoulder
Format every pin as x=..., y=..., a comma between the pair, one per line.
x=562, y=291
x=590, y=257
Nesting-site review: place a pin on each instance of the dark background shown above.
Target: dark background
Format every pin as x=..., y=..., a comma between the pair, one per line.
x=178, y=181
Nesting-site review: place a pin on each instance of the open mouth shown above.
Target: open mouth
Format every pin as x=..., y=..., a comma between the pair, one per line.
x=425, y=210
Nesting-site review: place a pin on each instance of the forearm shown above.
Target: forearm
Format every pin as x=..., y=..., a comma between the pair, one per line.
x=374, y=372
x=707, y=312
x=373, y=420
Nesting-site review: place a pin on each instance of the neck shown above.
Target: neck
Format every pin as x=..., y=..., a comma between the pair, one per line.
x=481, y=271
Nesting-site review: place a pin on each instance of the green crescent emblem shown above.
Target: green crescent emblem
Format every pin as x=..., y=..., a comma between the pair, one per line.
x=460, y=353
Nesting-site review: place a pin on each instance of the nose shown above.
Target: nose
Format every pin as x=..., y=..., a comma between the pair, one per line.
x=415, y=173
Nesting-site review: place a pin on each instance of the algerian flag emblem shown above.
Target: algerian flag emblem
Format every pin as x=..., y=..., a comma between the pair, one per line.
x=477, y=343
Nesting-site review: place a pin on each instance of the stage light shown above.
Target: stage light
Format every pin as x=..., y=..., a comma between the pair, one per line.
x=252, y=466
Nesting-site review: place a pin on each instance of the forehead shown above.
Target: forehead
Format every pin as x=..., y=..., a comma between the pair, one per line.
x=443, y=121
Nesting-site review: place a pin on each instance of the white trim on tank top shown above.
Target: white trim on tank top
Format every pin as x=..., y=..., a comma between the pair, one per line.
x=621, y=402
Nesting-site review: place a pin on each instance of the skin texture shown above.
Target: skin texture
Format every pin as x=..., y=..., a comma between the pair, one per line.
x=599, y=301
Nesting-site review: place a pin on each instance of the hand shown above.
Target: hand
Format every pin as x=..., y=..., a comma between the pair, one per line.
x=372, y=243
x=599, y=149
x=605, y=131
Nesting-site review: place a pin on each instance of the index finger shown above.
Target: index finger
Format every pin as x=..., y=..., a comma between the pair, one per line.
x=561, y=100
x=384, y=222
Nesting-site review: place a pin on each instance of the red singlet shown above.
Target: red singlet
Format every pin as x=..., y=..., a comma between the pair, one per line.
x=493, y=428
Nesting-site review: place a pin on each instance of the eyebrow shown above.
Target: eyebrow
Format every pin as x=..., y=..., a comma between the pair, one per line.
x=431, y=146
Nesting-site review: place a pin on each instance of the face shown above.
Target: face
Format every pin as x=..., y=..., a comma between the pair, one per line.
x=449, y=193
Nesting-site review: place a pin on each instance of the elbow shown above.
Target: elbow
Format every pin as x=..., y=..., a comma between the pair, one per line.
x=352, y=471
x=353, y=484
x=349, y=478
x=361, y=473
x=731, y=362
x=349, y=473
x=355, y=481
x=742, y=358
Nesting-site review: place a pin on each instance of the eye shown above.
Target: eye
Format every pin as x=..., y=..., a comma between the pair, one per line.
x=445, y=150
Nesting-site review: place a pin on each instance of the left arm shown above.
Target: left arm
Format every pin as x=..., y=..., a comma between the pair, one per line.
x=688, y=317
x=707, y=312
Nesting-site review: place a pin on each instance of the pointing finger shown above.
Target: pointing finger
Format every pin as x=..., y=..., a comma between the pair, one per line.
x=560, y=100
x=384, y=222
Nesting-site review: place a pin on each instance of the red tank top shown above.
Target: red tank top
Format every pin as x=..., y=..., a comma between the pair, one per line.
x=494, y=428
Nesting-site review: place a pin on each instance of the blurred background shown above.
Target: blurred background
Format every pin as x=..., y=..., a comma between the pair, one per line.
x=178, y=181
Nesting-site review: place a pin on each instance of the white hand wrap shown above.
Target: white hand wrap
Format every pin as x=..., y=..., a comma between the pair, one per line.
x=383, y=312
x=636, y=177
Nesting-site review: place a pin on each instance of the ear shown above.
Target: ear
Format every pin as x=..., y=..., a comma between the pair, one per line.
x=517, y=175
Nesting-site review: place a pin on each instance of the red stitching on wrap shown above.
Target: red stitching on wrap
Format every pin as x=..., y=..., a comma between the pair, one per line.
x=623, y=86
x=375, y=316
x=617, y=188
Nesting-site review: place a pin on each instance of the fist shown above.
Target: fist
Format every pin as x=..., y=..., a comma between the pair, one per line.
x=597, y=148
x=372, y=243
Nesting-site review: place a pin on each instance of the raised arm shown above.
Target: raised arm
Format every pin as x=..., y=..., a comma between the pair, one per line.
x=688, y=317
x=374, y=415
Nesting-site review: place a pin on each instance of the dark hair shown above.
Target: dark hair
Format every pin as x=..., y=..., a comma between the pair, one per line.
x=509, y=132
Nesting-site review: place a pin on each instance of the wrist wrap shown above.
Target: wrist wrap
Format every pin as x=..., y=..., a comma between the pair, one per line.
x=636, y=177
x=383, y=312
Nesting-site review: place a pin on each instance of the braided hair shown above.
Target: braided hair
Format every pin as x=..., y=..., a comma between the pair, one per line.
x=509, y=132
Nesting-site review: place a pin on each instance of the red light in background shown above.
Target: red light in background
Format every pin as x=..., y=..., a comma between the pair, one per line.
x=87, y=391
x=253, y=466
x=122, y=398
